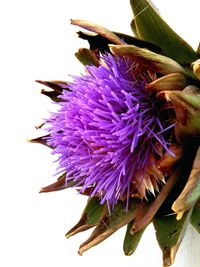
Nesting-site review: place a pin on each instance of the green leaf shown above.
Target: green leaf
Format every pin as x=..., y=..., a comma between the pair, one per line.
x=191, y=192
x=169, y=233
x=198, y=50
x=195, y=217
x=110, y=223
x=134, y=28
x=131, y=241
x=89, y=218
x=149, y=26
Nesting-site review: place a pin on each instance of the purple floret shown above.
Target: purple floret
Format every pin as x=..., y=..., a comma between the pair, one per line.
x=106, y=130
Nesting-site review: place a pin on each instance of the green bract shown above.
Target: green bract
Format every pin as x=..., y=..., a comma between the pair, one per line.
x=149, y=26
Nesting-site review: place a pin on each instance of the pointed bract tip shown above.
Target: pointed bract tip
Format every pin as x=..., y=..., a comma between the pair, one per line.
x=196, y=68
x=38, y=81
x=32, y=140
x=179, y=216
x=42, y=190
x=40, y=125
x=167, y=258
x=72, y=21
x=67, y=235
x=80, y=252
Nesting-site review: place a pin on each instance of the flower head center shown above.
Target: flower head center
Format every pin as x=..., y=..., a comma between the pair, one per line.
x=109, y=132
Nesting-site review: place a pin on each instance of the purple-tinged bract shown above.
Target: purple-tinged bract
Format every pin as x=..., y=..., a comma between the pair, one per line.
x=109, y=133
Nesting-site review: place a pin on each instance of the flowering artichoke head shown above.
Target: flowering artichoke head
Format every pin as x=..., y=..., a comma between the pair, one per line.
x=127, y=131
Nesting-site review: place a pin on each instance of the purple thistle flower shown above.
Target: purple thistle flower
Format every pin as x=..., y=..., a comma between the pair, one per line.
x=109, y=133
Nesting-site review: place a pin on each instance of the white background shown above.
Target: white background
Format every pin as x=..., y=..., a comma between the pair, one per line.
x=38, y=42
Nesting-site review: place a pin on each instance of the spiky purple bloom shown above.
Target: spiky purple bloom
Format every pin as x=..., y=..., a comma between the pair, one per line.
x=108, y=132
